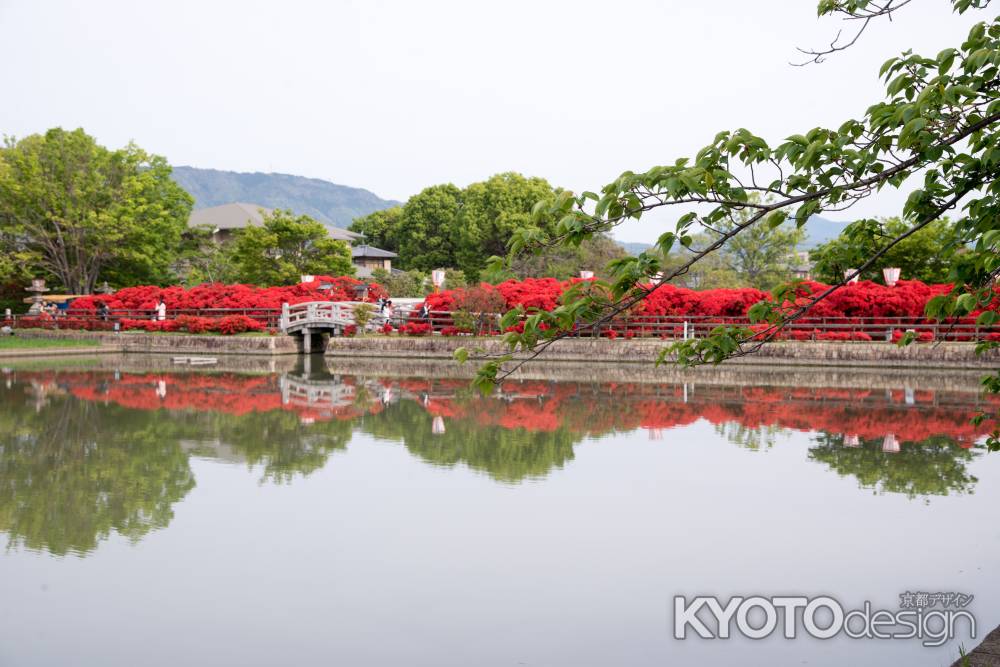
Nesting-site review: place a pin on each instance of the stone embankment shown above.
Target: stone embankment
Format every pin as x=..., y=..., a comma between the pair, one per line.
x=590, y=350
x=631, y=353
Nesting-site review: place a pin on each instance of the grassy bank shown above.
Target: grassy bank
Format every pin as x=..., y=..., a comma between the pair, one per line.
x=18, y=343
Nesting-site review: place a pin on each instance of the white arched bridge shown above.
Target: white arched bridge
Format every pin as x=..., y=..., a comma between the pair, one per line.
x=313, y=319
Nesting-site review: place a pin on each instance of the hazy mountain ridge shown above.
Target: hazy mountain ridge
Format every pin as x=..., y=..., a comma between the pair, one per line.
x=818, y=230
x=327, y=202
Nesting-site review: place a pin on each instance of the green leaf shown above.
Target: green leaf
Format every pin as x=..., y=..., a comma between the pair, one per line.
x=775, y=219
x=987, y=318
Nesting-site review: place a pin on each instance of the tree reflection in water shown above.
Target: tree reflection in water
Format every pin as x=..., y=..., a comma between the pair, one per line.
x=73, y=471
x=930, y=467
x=86, y=453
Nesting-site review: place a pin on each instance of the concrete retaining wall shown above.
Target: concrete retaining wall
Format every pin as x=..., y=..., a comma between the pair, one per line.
x=785, y=353
x=857, y=377
x=584, y=350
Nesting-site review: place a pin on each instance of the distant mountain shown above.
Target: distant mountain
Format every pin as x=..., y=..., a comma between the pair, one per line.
x=818, y=230
x=635, y=248
x=327, y=202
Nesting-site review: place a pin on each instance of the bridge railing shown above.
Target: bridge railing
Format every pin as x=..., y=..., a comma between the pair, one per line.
x=317, y=313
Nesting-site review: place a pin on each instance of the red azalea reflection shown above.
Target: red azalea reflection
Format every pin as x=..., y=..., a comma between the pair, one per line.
x=909, y=416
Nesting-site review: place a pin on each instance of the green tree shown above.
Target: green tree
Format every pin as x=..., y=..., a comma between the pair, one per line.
x=444, y=226
x=714, y=272
x=927, y=254
x=201, y=259
x=563, y=262
x=284, y=248
x=14, y=275
x=763, y=255
x=79, y=212
x=381, y=228
x=428, y=230
x=408, y=284
x=492, y=211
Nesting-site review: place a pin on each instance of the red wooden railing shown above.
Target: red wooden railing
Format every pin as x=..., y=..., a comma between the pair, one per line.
x=660, y=326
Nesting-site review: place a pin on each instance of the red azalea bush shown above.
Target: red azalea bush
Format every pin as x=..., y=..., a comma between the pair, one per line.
x=415, y=329
x=237, y=324
x=227, y=326
x=672, y=300
x=48, y=322
x=350, y=330
x=216, y=295
x=148, y=325
x=862, y=300
x=868, y=299
x=386, y=328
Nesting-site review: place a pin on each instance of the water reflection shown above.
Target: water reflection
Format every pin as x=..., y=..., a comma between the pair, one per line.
x=72, y=471
x=87, y=452
x=932, y=466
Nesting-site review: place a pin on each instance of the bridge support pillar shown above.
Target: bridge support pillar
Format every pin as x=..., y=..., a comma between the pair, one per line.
x=306, y=341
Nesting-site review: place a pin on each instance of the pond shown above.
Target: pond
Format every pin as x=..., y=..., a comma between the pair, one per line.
x=158, y=515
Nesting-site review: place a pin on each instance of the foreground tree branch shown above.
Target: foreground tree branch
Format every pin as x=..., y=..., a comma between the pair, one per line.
x=938, y=122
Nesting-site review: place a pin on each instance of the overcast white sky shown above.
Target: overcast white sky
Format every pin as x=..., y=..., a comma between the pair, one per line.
x=396, y=96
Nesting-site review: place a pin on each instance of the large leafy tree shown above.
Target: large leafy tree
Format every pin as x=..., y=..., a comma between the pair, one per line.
x=925, y=255
x=201, y=258
x=427, y=233
x=713, y=272
x=936, y=124
x=284, y=248
x=763, y=255
x=380, y=228
x=446, y=226
x=593, y=254
x=78, y=212
x=14, y=275
x=492, y=211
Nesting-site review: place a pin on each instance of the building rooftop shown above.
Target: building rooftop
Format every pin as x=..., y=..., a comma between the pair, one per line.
x=372, y=251
x=240, y=215
x=341, y=234
x=229, y=216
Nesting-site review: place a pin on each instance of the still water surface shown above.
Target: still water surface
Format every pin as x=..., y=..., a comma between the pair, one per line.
x=164, y=517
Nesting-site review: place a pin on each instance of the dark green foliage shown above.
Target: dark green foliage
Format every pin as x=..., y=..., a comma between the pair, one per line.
x=927, y=255
x=77, y=213
x=285, y=248
x=446, y=226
